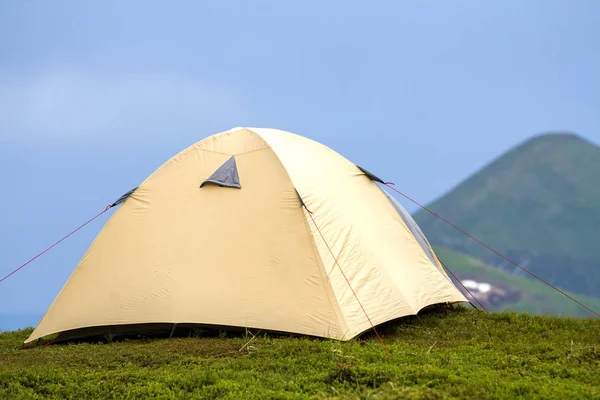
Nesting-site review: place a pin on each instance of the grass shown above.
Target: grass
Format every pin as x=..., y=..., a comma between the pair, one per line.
x=537, y=298
x=439, y=355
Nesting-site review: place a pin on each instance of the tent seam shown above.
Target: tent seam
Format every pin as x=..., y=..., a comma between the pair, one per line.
x=329, y=289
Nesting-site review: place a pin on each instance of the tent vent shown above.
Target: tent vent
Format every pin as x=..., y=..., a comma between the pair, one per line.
x=371, y=176
x=123, y=198
x=226, y=175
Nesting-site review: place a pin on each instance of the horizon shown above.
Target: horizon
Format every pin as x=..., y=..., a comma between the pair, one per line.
x=96, y=97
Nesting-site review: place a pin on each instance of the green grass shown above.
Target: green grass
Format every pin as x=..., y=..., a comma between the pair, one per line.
x=537, y=298
x=439, y=355
x=538, y=203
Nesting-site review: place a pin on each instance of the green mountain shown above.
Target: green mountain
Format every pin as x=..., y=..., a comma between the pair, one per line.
x=521, y=294
x=539, y=204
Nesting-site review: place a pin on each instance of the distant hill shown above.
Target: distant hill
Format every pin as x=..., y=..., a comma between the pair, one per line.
x=539, y=204
x=533, y=297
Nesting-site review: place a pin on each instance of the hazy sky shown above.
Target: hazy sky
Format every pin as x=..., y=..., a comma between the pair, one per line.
x=94, y=96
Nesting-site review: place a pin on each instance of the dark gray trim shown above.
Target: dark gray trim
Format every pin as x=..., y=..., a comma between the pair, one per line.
x=124, y=197
x=370, y=175
x=300, y=198
x=225, y=176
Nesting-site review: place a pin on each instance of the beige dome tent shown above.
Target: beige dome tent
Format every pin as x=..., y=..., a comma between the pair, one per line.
x=255, y=228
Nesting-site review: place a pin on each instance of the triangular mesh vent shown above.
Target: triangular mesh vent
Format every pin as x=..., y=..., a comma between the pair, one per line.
x=226, y=175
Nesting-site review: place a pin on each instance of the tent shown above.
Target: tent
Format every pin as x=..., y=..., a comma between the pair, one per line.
x=252, y=228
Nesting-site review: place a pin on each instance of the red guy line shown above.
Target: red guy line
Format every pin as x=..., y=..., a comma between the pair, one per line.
x=347, y=281
x=489, y=248
x=66, y=236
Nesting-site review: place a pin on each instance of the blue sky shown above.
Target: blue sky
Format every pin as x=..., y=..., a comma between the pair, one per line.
x=94, y=96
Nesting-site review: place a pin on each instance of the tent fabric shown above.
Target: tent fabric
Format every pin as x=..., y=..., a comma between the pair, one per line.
x=226, y=176
x=416, y=231
x=178, y=254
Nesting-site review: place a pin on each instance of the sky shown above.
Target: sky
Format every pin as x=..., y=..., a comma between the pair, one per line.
x=94, y=96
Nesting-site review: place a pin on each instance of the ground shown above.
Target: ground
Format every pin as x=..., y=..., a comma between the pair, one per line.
x=439, y=355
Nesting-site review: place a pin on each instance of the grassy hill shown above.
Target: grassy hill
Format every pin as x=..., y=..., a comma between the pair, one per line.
x=535, y=297
x=438, y=355
x=539, y=204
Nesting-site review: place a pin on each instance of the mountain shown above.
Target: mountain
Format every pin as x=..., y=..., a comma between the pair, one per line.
x=513, y=292
x=539, y=204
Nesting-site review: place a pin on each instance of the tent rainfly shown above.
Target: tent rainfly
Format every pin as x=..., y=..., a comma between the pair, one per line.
x=256, y=228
